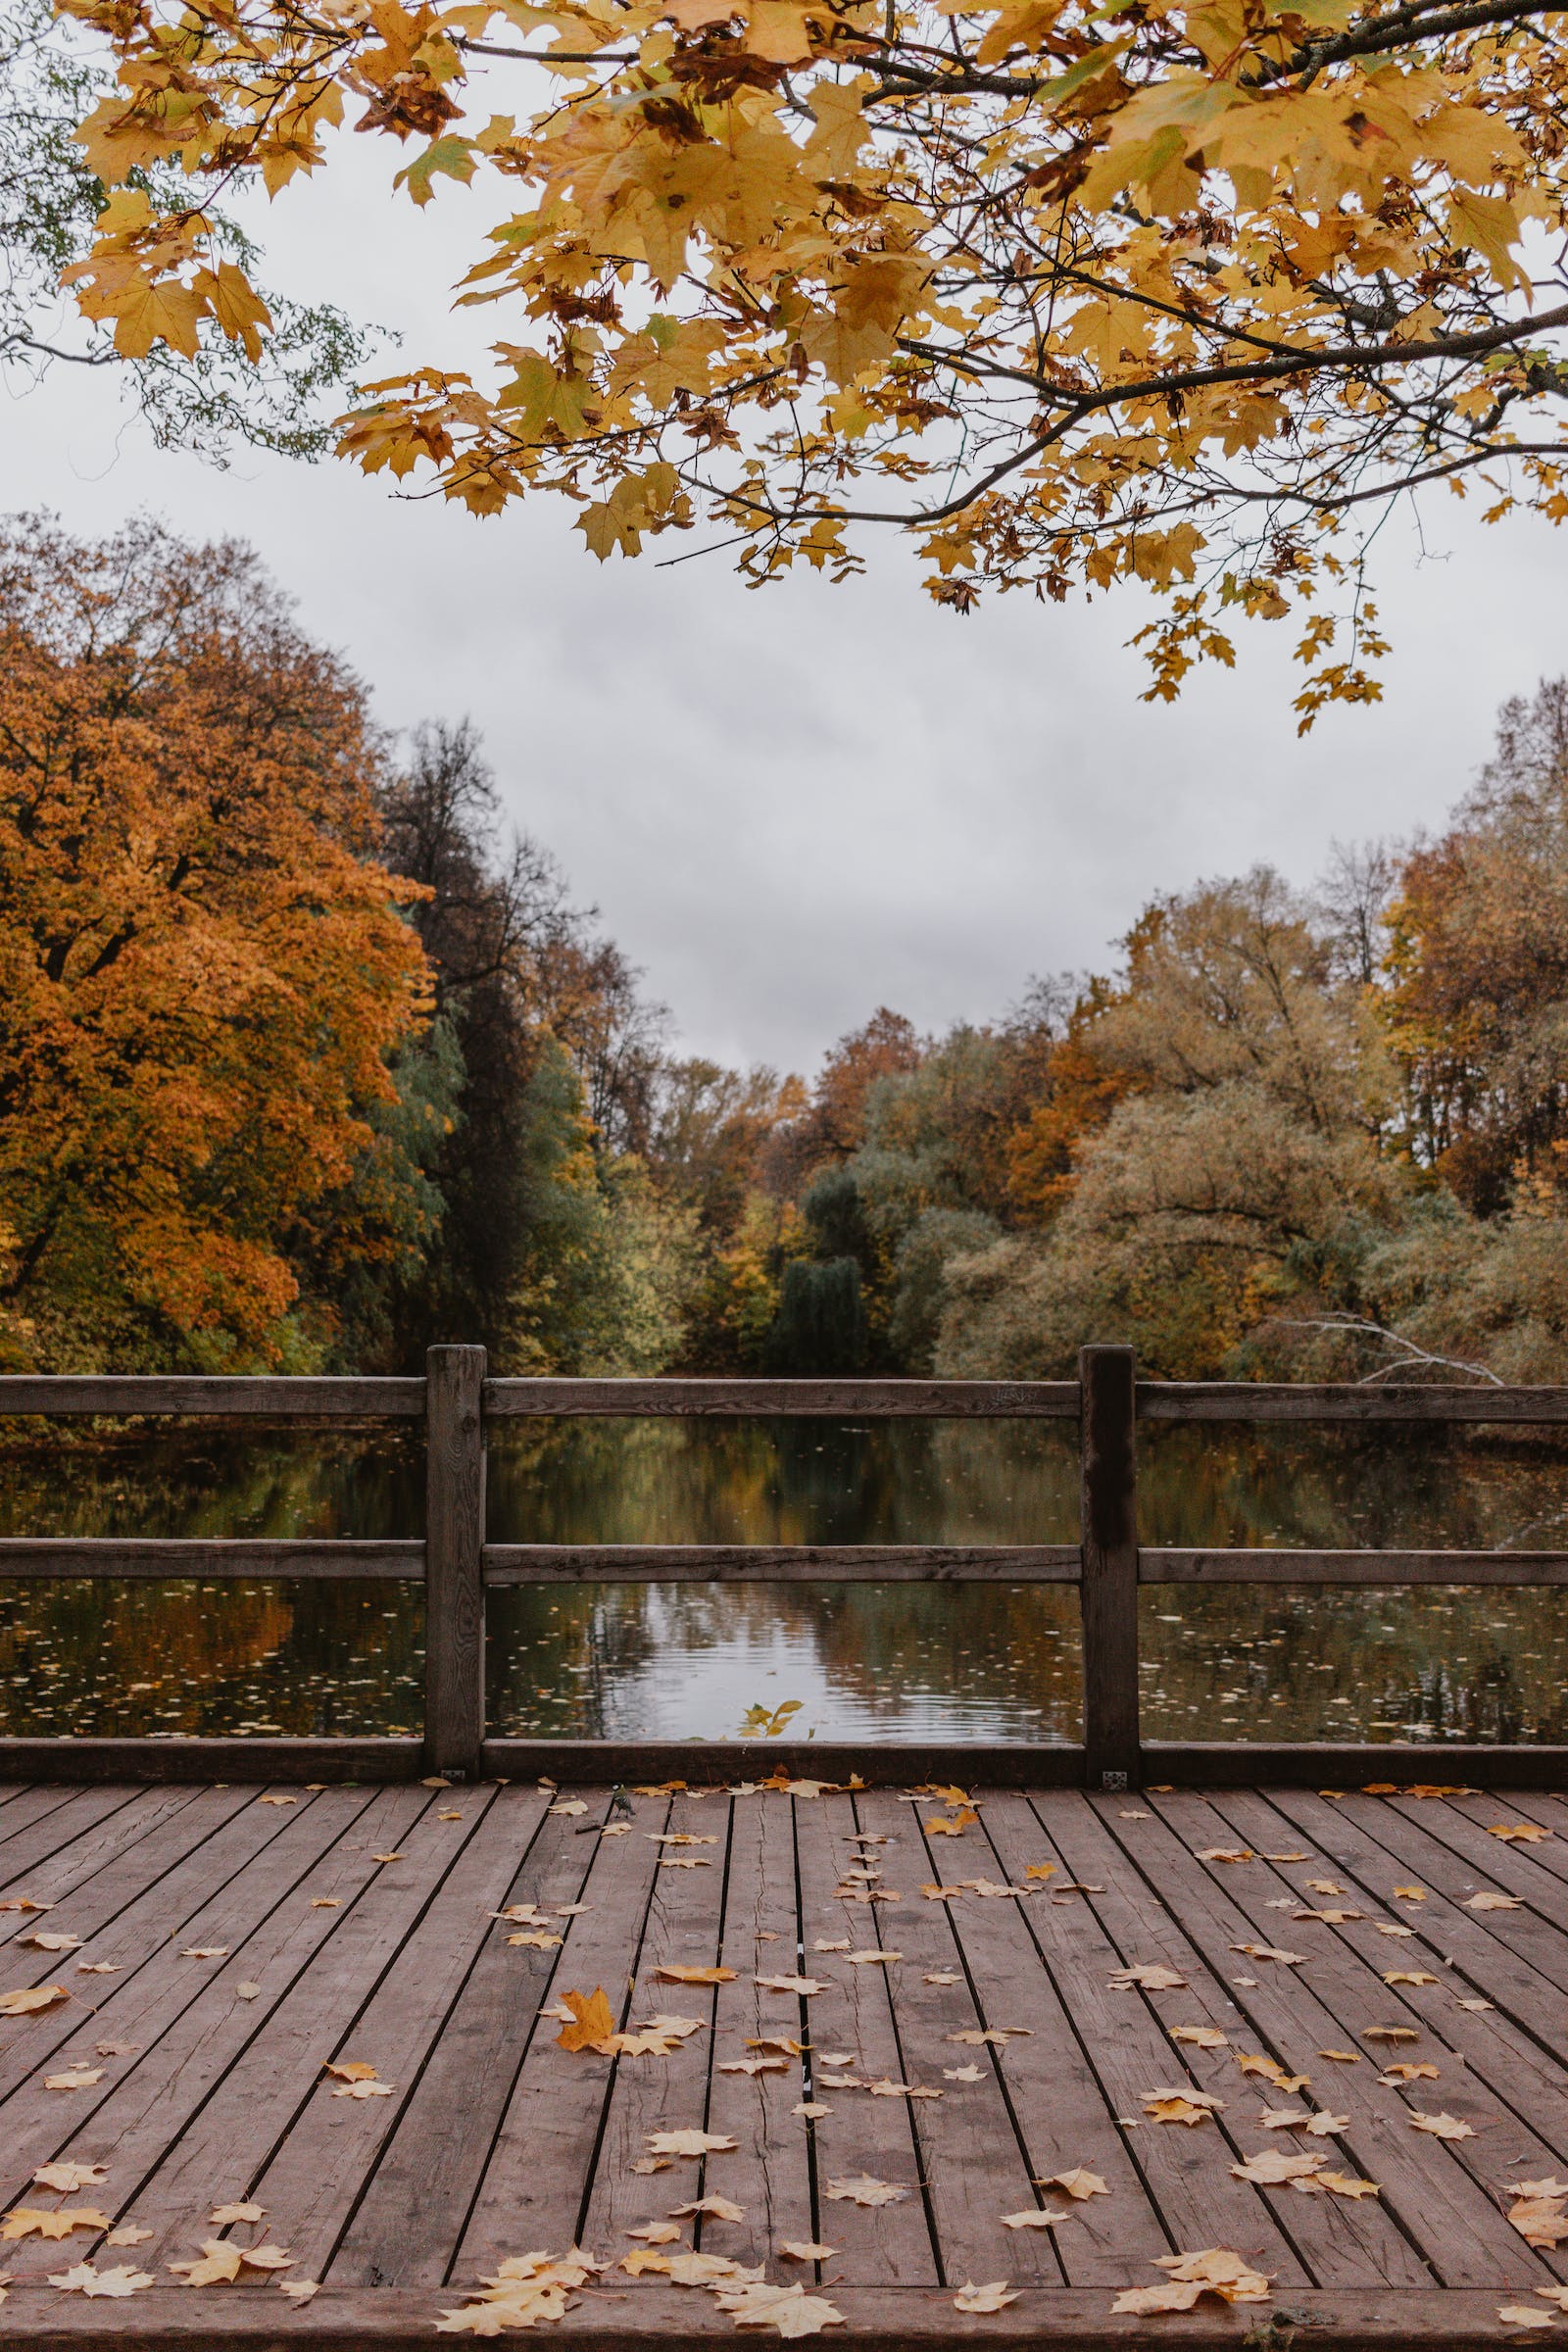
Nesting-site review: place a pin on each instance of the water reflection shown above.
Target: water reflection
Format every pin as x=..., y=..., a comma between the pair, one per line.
x=874, y=1661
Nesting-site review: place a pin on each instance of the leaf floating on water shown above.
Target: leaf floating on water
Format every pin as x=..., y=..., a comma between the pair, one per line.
x=861, y=2189
x=993, y=2297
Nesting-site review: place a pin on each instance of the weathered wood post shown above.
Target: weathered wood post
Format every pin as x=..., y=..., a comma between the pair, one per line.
x=453, y=1562
x=1108, y=1473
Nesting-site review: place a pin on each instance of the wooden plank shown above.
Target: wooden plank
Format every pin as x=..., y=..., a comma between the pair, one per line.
x=1059, y=2109
x=770, y=2173
x=1084, y=1939
x=652, y=2318
x=1307, y=1401
x=821, y=1399
x=538, y=2175
x=1326, y=1764
x=311, y=2183
x=684, y=1926
x=892, y=2243
x=53, y=1877
x=229, y=2140
x=1453, y=1868
x=122, y=1761
x=1427, y=2184
x=454, y=1589
x=1109, y=1476
x=187, y=1556
x=209, y=1397
x=61, y=1815
x=710, y=1763
x=1164, y=1566
x=1477, y=2095
x=972, y=2158
x=779, y=1563
x=24, y=1801
x=243, y=1890
x=417, y=2198
x=1504, y=2045
x=650, y=2315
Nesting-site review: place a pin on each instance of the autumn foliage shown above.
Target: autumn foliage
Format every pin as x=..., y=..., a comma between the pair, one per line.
x=203, y=971
x=1072, y=295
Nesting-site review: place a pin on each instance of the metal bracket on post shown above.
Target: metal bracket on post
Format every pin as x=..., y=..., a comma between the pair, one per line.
x=453, y=1561
x=1109, y=1592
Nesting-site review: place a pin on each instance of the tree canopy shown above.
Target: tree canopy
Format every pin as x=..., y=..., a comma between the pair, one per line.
x=1184, y=294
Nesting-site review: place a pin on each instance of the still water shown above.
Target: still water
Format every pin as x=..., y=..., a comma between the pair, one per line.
x=884, y=1662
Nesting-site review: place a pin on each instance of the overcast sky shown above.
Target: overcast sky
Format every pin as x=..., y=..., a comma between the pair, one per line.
x=797, y=804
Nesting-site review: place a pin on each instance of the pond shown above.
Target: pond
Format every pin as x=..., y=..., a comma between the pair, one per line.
x=861, y=1661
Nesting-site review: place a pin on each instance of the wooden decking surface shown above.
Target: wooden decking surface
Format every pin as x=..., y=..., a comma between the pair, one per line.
x=357, y=1924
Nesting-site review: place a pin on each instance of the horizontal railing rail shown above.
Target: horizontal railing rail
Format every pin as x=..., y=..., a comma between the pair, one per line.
x=456, y=1566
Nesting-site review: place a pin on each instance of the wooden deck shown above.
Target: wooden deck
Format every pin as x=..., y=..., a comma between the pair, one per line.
x=254, y=1936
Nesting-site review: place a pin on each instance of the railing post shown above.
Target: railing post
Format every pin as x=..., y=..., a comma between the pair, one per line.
x=454, y=1565
x=1108, y=1592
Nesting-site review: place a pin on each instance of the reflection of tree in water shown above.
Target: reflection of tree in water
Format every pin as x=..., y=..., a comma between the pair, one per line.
x=1238, y=1661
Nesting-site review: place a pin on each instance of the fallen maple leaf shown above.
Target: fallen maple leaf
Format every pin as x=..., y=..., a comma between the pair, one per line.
x=1034, y=2216
x=1409, y=1976
x=123, y=2279
x=299, y=2290
x=1145, y=2299
x=1271, y=2166
x=1518, y=1833
x=127, y=2235
x=864, y=1959
x=1408, y=2071
x=689, y=2143
x=539, y=1939
x=225, y=2215
x=1343, y=2057
x=219, y=2264
x=1441, y=2126
x=788, y=2308
x=208, y=1951
x=1218, y=2270
x=1076, y=2184
x=1201, y=2037
x=277, y=1801
x=75, y=2077
x=98, y=1968
x=676, y=1973
x=48, y=1940
x=801, y=1985
x=1150, y=1975
x=1390, y=2032
x=363, y=2090
x=942, y=1975
x=592, y=2023
x=720, y=2208
x=1270, y=1951
x=753, y=2066
x=350, y=2070
x=805, y=2249
x=1330, y=1918
x=861, y=2189
x=39, y=2221
x=963, y=2073
x=67, y=2178
x=993, y=2297
x=1175, y=2110
x=1227, y=1853
x=1539, y=2221
x=1523, y=2315
x=1411, y=1895
x=570, y=1805
x=29, y=1997
x=1489, y=1902
x=1345, y=2184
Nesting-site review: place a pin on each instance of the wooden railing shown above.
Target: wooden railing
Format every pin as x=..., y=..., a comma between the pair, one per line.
x=456, y=1564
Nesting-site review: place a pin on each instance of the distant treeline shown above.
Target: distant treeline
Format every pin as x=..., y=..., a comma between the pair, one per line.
x=303, y=1064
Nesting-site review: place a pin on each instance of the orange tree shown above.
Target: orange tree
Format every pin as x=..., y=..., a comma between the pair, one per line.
x=202, y=973
x=1180, y=291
